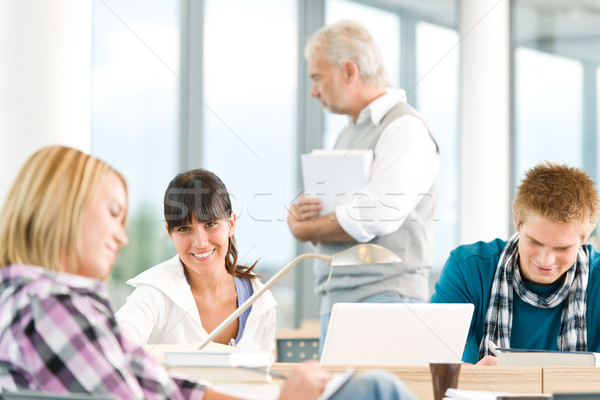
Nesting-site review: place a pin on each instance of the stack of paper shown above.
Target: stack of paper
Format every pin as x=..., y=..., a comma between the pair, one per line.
x=249, y=391
x=271, y=391
x=335, y=176
x=546, y=358
x=456, y=394
x=221, y=366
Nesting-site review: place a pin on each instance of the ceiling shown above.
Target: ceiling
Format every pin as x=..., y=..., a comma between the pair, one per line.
x=569, y=28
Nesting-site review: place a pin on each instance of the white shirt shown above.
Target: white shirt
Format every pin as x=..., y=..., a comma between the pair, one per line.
x=162, y=309
x=405, y=165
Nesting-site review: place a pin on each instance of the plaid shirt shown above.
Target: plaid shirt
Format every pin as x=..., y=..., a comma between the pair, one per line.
x=58, y=334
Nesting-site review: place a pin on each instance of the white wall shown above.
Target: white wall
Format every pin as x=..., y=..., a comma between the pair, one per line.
x=45, y=78
x=484, y=120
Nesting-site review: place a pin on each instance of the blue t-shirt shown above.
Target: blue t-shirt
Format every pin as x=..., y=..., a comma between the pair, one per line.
x=244, y=290
x=467, y=277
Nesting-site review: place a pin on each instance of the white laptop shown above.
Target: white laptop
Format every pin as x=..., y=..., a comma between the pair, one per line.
x=396, y=334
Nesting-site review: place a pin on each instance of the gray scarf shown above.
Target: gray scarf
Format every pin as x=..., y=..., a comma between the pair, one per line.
x=498, y=319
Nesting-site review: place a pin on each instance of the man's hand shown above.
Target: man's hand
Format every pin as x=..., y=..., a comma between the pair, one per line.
x=488, y=361
x=307, y=208
x=306, y=224
x=306, y=381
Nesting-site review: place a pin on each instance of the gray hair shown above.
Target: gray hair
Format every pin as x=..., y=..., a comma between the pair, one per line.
x=349, y=40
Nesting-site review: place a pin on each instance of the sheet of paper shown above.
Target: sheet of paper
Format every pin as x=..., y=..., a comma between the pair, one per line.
x=270, y=391
x=335, y=383
x=335, y=176
x=249, y=391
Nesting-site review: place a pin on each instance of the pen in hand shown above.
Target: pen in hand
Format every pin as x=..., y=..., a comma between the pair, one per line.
x=493, y=348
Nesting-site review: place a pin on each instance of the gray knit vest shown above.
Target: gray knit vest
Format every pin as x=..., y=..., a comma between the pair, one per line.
x=413, y=241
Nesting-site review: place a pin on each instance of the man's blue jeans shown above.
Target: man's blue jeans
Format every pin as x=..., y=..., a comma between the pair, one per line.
x=384, y=297
x=374, y=385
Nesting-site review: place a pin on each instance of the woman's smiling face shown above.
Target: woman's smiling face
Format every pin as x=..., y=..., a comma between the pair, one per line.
x=202, y=246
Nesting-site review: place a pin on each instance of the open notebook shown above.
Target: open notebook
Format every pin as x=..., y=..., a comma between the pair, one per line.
x=396, y=334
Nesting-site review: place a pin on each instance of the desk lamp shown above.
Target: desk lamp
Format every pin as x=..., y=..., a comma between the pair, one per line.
x=356, y=255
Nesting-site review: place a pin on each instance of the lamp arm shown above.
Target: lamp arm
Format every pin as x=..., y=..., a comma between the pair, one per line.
x=259, y=293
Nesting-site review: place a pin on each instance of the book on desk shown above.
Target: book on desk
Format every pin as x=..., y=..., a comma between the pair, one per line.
x=458, y=394
x=221, y=366
x=204, y=358
x=224, y=374
x=546, y=358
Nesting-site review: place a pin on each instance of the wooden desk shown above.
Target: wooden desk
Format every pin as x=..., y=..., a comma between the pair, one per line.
x=570, y=379
x=501, y=379
x=418, y=378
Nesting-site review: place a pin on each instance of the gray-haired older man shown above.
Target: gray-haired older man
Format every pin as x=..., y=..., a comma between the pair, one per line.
x=397, y=204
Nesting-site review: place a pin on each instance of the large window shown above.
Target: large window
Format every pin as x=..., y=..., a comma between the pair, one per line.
x=548, y=104
x=437, y=89
x=249, y=133
x=596, y=119
x=385, y=28
x=247, y=105
x=556, y=56
x=135, y=119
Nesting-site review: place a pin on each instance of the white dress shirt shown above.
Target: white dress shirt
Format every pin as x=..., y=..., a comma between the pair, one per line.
x=405, y=165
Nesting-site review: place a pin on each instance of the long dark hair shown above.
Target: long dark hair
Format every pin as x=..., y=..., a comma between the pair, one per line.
x=200, y=195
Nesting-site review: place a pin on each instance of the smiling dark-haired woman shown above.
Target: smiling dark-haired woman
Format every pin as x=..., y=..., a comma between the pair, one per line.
x=183, y=299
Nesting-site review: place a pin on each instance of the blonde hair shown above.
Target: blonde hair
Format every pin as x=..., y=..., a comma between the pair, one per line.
x=40, y=222
x=350, y=41
x=559, y=193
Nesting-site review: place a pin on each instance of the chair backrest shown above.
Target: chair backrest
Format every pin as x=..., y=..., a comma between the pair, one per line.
x=31, y=395
x=297, y=349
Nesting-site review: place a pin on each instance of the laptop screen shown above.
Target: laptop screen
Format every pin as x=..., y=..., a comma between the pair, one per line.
x=396, y=334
